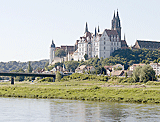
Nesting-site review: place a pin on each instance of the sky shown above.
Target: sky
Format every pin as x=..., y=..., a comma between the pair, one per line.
x=27, y=27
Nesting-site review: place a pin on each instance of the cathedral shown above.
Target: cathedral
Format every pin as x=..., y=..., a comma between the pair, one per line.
x=101, y=44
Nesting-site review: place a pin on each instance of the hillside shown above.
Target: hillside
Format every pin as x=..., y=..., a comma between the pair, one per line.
x=14, y=65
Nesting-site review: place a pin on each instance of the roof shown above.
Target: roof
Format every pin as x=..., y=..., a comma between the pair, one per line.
x=147, y=44
x=124, y=44
x=117, y=73
x=111, y=32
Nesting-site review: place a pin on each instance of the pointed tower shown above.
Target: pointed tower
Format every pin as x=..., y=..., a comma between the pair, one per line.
x=86, y=28
x=52, y=52
x=95, y=32
x=124, y=38
x=98, y=29
x=116, y=24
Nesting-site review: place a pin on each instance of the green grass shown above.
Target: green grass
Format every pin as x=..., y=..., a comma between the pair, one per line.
x=83, y=90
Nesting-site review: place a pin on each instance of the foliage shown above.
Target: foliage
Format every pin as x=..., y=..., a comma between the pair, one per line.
x=71, y=65
x=13, y=65
x=19, y=78
x=60, y=53
x=144, y=73
x=79, y=76
x=29, y=70
x=58, y=76
x=86, y=56
x=48, y=79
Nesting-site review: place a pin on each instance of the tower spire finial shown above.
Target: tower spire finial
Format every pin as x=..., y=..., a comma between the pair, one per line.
x=98, y=29
x=95, y=32
x=86, y=29
x=114, y=15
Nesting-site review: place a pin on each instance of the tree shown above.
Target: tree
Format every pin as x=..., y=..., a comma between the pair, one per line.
x=60, y=53
x=144, y=73
x=58, y=76
x=71, y=65
x=86, y=57
x=29, y=70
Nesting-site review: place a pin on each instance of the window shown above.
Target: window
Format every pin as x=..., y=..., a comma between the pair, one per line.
x=104, y=38
x=104, y=48
x=104, y=43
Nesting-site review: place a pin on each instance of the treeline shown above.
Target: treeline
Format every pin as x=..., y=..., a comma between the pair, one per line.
x=14, y=65
x=126, y=57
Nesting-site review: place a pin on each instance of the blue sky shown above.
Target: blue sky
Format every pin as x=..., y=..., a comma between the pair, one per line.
x=27, y=27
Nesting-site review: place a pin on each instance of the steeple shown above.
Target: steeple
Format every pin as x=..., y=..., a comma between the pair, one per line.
x=53, y=45
x=124, y=38
x=117, y=14
x=98, y=29
x=114, y=14
x=86, y=29
x=95, y=32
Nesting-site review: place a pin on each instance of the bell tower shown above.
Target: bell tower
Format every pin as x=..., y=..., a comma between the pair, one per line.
x=52, y=52
x=116, y=24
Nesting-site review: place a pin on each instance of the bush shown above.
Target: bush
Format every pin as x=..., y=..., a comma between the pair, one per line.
x=46, y=80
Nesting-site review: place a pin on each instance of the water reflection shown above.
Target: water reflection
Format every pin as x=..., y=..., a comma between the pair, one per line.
x=57, y=110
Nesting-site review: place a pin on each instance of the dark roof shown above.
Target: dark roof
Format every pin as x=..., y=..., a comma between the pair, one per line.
x=124, y=44
x=147, y=44
x=111, y=32
x=53, y=45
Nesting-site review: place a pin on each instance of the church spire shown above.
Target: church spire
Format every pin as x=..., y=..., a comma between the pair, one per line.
x=86, y=29
x=95, y=32
x=124, y=38
x=98, y=29
x=114, y=14
x=117, y=14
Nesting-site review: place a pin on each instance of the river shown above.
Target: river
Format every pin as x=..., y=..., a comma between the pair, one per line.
x=60, y=110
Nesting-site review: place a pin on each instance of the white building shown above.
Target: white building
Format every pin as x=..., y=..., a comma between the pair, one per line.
x=100, y=44
x=52, y=52
x=156, y=67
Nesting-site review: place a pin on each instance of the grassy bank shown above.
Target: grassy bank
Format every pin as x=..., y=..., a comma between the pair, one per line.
x=84, y=90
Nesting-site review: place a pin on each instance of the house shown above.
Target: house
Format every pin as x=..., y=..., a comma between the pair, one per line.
x=117, y=67
x=156, y=67
x=117, y=73
x=84, y=68
x=131, y=68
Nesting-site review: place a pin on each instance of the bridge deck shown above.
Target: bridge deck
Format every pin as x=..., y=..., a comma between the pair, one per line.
x=26, y=74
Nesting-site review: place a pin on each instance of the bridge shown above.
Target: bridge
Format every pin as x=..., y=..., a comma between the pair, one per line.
x=14, y=74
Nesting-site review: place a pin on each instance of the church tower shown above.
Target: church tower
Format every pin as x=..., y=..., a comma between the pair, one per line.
x=116, y=24
x=86, y=28
x=52, y=52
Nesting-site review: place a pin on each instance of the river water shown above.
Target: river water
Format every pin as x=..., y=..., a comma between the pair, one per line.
x=60, y=110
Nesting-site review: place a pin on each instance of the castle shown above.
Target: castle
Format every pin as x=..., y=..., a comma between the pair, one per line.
x=101, y=44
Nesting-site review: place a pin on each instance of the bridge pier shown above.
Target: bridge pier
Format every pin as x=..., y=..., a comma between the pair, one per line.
x=12, y=80
x=53, y=79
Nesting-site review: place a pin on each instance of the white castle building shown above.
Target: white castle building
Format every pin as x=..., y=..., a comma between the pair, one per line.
x=101, y=44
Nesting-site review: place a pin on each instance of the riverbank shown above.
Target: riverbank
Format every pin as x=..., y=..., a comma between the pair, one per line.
x=84, y=90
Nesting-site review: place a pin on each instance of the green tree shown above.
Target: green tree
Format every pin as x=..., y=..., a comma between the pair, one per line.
x=136, y=73
x=60, y=53
x=29, y=70
x=86, y=57
x=144, y=73
x=58, y=76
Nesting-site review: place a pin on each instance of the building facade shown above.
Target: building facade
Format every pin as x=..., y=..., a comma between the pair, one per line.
x=101, y=44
